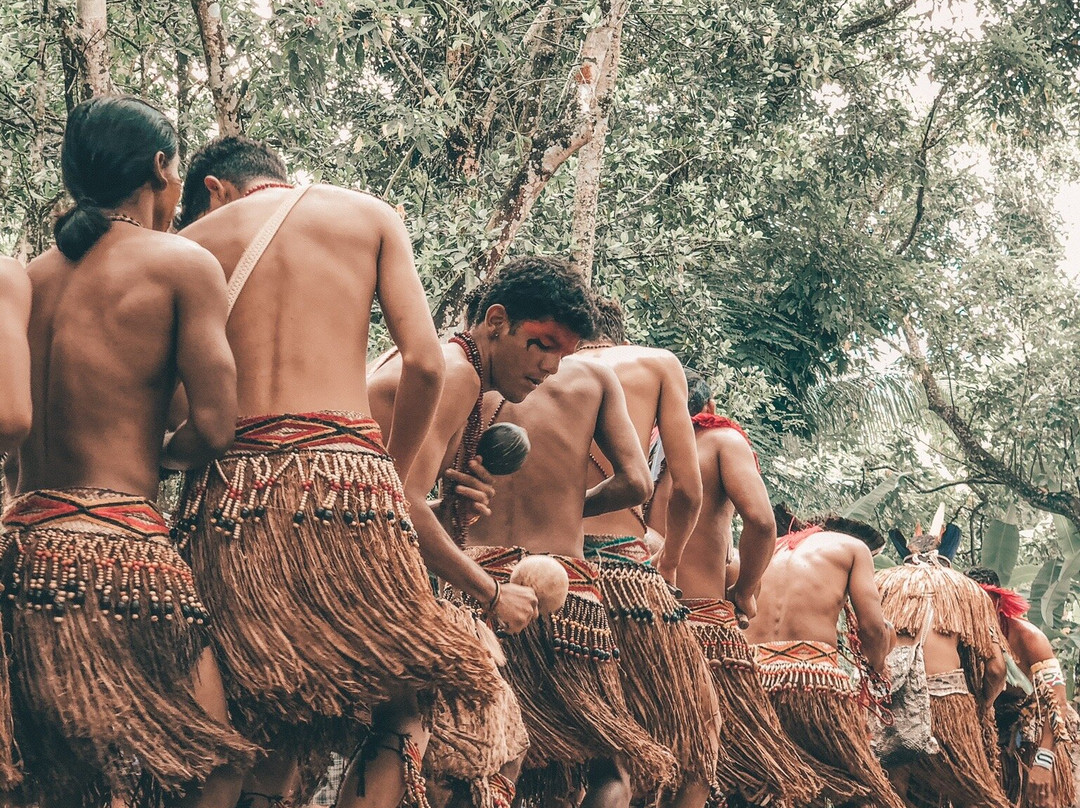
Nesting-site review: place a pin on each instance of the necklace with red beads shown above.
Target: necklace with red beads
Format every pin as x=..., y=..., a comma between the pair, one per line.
x=262, y=186
x=120, y=217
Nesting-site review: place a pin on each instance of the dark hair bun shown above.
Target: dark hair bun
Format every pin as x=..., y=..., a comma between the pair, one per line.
x=79, y=229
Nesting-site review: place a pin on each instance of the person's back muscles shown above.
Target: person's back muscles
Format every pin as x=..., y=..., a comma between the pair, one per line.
x=308, y=504
x=121, y=312
x=15, y=407
x=815, y=571
x=563, y=667
x=758, y=762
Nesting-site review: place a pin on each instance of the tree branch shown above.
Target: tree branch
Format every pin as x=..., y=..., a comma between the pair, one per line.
x=1064, y=503
x=860, y=27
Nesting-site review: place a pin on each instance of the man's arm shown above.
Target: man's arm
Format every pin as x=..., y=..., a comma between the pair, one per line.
x=16, y=409
x=680, y=450
x=408, y=319
x=516, y=606
x=630, y=483
x=877, y=636
x=204, y=362
x=744, y=487
x=1034, y=648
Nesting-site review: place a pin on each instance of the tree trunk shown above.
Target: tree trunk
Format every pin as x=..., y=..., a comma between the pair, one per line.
x=222, y=86
x=183, y=104
x=86, y=55
x=590, y=167
x=1064, y=503
x=590, y=97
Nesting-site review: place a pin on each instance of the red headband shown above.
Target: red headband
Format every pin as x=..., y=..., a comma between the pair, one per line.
x=1008, y=603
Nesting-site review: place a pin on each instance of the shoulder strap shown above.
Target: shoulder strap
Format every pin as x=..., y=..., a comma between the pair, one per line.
x=259, y=244
x=927, y=621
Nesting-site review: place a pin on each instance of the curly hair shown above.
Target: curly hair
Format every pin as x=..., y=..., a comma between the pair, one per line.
x=234, y=159
x=610, y=321
x=536, y=288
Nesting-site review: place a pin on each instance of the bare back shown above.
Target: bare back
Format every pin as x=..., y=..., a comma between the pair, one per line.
x=703, y=571
x=299, y=330
x=803, y=590
x=104, y=336
x=539, y=507
x=641, y=372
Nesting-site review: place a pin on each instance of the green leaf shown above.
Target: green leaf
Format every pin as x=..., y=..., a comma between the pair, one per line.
x=1039, y=586
x=1001, y=546
x=883, y=562
x=1054, y=600
x=864, y=508
x=1068, y=535
x=1023, y=575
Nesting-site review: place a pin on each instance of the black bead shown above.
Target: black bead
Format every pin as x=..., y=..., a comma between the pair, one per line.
x=298, y=517
x=259, y=511
x=348, y=517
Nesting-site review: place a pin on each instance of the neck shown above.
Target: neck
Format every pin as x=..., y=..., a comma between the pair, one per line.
x=140, y=207
x=252, y=185
x=483, y=347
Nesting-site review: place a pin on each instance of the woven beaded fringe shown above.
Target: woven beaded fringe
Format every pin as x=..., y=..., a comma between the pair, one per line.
x=757, y=761
x=664, y=674
x=324, y=607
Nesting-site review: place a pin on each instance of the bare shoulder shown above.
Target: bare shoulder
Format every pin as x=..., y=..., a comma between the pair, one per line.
x=1032, y=642
x=14, y=281
x=725, y=441
x=357, y=203
x=182, y=260
x=582, y=368
x=461, y=384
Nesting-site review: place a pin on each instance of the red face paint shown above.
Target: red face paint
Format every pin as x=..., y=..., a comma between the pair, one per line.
x=552, y=334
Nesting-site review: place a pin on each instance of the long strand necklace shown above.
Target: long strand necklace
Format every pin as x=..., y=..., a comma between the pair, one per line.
x=470, y=438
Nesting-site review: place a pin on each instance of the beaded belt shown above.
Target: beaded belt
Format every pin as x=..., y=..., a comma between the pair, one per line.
x=802, y=665
x=580, y=628
x=607, y=549
x=340, y=431
x=86, y=510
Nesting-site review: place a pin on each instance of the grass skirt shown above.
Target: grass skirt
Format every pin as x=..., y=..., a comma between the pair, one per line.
x=564, y=670
x=665, y=677
x=757, y=761
x=106, y=628
x=300, y=539
x=468, y=749
x=966, y=770
x=816, y=704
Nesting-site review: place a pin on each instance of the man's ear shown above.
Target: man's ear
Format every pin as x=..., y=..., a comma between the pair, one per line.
x=496, y=319
x=710, y=407
x=160, y=179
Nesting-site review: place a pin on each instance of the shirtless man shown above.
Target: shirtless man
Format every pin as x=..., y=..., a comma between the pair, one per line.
x=965, y=672
x=527, y=318
x=757, y=761
x=302, y=531
x=564, y=667
x=121, y=312
x=665, y=676
x=1034, y=736
x=817, y=569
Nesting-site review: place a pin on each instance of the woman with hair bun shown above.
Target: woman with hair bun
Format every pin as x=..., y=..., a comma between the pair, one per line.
x=115, y=695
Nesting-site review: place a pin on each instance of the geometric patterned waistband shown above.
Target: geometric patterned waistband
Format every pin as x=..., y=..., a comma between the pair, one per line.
x=802, y=665
x=84, y=509
x=339, y=431
x=617, y=548
x=499, y=562
x=710, y=611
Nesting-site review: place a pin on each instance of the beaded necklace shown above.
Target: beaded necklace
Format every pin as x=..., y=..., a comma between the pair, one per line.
x=262, y=186
x=119, y=217
x=471, y=436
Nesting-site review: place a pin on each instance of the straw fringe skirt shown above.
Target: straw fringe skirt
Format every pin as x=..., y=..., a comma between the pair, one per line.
x=757, y=761
x=816, y=704
x=301, y=540
x=665, y=676
x=469, y=748
x=564, y=670
x=106, y=628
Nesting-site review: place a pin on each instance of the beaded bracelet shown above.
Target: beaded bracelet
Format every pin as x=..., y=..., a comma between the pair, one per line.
x=1044, y=759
